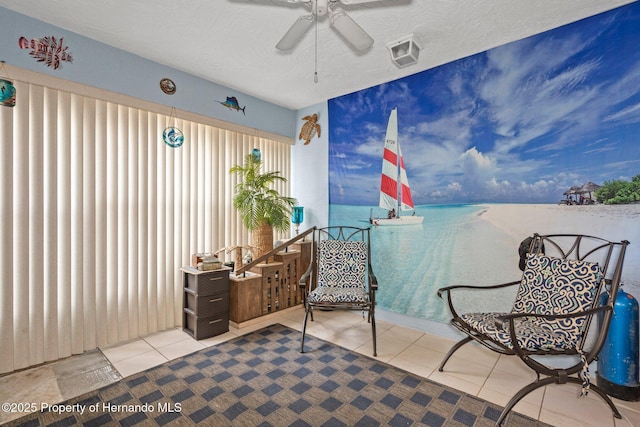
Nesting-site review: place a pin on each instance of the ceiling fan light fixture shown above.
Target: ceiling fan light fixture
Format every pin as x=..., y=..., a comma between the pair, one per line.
x=295, y=33
x=404, y=51
x=351, y=31
x=320, y=7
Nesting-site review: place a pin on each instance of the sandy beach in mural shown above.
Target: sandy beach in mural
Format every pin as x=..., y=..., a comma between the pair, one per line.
x=613, y=222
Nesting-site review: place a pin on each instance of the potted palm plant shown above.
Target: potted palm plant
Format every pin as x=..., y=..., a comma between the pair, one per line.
x=261, y=207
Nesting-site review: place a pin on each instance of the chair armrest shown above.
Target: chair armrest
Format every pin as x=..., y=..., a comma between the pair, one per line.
x=501, y=320
x=305, y=276
x=448, y=289
x=373, y=280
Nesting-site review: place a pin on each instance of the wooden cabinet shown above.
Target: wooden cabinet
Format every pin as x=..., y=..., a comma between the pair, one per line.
x=289, y=295
x=304, y=247
x=245, y=298
x=267, y=288
x=206, y=302
x=270, y=289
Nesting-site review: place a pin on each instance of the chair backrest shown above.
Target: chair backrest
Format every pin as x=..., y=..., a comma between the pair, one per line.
x=552, y=285
x=342, y=264
x=568, y=278
x=342, y=257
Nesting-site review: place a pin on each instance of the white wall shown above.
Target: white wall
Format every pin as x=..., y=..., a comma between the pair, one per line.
x=310, y=169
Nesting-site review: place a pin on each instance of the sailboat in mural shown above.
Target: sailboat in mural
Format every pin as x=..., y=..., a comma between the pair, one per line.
x=395, y=193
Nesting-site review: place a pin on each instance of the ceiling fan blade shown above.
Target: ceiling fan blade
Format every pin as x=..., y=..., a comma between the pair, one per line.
x=295, y=33
x=351, y=31
x=348, y=2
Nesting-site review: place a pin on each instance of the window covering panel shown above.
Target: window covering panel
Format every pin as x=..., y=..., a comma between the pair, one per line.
x=98, y=215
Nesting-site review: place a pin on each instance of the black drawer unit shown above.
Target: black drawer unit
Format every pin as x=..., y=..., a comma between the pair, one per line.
x=206, y=302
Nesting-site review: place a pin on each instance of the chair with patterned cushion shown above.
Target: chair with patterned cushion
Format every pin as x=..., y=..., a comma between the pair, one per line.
x=340, y=276
x=553, y=314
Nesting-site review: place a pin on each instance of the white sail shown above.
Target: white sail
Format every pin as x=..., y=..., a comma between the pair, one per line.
x=392, y=197
x=405, y=191
x=389, y=177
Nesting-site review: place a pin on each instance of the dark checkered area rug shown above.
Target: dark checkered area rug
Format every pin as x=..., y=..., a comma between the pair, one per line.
x=261, y=379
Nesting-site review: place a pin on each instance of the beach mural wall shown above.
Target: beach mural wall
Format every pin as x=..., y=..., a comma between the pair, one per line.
x=496, y=147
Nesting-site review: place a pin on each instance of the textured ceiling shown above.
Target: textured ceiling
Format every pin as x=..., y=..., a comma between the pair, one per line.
x=232, y=42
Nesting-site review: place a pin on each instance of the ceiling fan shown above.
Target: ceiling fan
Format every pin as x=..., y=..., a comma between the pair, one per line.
x=339, y=20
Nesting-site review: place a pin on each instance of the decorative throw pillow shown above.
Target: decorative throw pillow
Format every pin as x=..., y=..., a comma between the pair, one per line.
x=342, y=263
x=558, y=286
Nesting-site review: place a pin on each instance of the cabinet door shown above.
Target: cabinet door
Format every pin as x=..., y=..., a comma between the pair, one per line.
x=270, y=288
x=245, y=299
x=289, y=278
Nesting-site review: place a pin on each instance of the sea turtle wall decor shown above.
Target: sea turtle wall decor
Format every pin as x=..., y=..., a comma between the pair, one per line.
x=309, y=128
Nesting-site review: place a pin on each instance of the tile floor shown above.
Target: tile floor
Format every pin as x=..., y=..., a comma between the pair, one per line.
x=473, y=369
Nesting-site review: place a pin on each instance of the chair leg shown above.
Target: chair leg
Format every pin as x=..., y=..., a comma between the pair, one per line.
x=520, y=394
x=551, y=380
x=373, y=330
x=600, y=393
x=304, y=327
x=453, y=350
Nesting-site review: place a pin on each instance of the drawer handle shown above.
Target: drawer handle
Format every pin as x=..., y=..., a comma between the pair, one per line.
x=215, y=278
x=211, y=322
x=215, y=300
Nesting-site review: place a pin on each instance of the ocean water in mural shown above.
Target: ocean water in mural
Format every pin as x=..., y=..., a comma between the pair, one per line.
x=476, y=244
x=412, y=262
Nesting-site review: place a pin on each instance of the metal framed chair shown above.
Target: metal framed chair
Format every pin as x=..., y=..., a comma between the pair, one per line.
x=556, y=301
x=340, y=275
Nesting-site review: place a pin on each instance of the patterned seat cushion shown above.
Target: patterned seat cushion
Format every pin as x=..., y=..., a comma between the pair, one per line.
x=549, y=286
x=333, y=295
x=342, y=272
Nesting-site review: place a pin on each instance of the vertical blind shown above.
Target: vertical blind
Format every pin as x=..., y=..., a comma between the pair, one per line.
x=98, y=215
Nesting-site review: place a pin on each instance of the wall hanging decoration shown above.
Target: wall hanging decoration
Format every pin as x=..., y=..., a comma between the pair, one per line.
x=309, y=129
x=232, y=104
x=7, y=89
x=49, y=50
x=172, y=136
x=168, y=86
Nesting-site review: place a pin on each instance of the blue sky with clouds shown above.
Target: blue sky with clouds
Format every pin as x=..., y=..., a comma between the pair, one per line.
x=519, y=123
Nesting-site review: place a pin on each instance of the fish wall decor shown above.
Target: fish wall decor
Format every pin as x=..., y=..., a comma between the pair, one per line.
x=232, y=104
x=173, y=137
x=7, y=93
x=49, y=50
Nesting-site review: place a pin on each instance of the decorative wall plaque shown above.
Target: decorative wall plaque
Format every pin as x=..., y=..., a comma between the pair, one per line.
x=168, y=86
